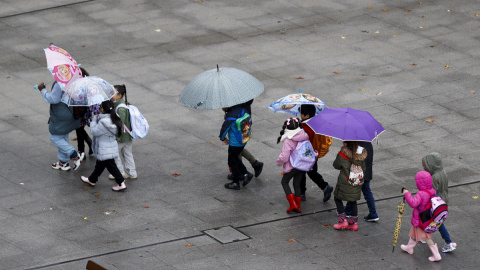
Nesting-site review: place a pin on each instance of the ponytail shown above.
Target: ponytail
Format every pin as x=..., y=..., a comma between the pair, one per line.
x=108, y=108
x=122, y=90
x=291, y=124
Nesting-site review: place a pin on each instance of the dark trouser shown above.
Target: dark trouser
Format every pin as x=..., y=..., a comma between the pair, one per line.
x=82, y=137
x=297, y=178
x=235, y=163
x=111, y=168
x=368, y=195
x=341, y=208
x=445, y=235
x=316, y=178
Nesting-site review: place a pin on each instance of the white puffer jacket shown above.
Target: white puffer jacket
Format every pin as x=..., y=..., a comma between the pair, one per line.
x=104, y=141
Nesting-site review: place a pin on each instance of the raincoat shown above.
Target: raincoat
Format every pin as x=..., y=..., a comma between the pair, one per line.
x=344, y=190
x=423, y=179
x=432, y=163
x=104, y=142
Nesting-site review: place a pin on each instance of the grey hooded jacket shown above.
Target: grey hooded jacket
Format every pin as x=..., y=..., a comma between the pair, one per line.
x=432, y=163
x=104, y=141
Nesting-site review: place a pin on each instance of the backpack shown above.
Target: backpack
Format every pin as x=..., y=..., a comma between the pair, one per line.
x=434, y=213
x=321, y=144
x=355, y=178
x=243, y=126
x=139, y=124
x=303, y=156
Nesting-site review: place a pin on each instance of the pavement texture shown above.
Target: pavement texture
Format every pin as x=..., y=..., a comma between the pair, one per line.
x=413, y=65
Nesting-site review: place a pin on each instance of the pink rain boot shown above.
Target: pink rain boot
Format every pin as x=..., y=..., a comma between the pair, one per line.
x=352, y=224
x=436, y=255
x=342, y=222
x=410, y=246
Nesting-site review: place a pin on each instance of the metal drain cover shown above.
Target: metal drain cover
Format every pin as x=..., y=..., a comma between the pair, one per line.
x=226, y=234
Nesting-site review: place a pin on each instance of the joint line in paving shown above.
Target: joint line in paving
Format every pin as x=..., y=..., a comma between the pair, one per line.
x=43, y=9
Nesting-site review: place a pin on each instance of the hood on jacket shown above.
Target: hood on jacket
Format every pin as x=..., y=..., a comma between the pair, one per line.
x=297, y=135
x=423, y=180
x=108, y=124
x=432, y=162
x=356, y=156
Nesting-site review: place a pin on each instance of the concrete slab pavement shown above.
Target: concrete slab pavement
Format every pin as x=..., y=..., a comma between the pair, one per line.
x=414, y=60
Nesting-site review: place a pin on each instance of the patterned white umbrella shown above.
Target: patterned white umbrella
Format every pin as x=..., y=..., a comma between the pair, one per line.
x=87, y=91
x=219, y=88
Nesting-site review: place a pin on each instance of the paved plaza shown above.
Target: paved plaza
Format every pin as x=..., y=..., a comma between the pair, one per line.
x=414, y=65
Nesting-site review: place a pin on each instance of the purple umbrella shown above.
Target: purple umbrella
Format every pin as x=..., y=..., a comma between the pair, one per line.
x=346, y=124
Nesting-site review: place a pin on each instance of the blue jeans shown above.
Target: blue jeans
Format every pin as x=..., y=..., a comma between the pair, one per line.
x=367, y=194
x=443, y=231
x=65, y=150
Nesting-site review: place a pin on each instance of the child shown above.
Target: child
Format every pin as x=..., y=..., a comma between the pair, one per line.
x=308, y=111
x=423, y=180
x=432, y=163
x=104, y=127
x=290, y=135
x=83, y=113
x=124, y=139
x=344, y=191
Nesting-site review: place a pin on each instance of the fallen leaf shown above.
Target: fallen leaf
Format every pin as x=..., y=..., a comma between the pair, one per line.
x=336, y=72
x=370, y=7
x=430, y=120
x=420, y=3
x=107, y=213
x=84, y=46
x=473, y=92
x=211, y=141
x=363, y=31
x=476, y=15
x=176, y=174
x=98, y=194
x=423, y=17
x=413, y=64
x=475, y=197
x=74, y=139
x=85, y=218
x=385, y=10
x=290, y=240
x=379, y=93
x=272, y=203
x=144, y=237
x=447, y=66
x=86, y=187
x=448, y=10
x=344, y=37
x=280, y=174
x=395, y=35
x=421, y=27
x=146, y=207
x=189, y=245
x=363, y=90
x=408, y=10
x=377, y=32
x=254, y=53
x=433, y=46
x=158, y=30
x=299, y=78
x=326, y=225
x=364, y=75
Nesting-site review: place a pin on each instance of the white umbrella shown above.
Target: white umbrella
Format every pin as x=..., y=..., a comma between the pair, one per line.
x=219, y=88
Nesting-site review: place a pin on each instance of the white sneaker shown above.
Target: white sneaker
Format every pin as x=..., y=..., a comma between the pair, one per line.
x=78, y=160
x=121, y=187
x=85, y=179
x=61, y=166
x=449, y=247
x=125, y=176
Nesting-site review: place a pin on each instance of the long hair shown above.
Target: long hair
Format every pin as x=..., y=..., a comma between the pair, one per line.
x=84, y=72
x=109, y=108
x=352, y=145
x=122, y=90
x=291, y=124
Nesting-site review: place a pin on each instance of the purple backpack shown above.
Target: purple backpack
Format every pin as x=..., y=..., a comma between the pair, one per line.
x=303, y=157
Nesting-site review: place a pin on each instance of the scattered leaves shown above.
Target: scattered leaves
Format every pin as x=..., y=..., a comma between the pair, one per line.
x=327, y=225
x=299, y=78
x=86, y=187
x=475, y=197
x=336, y=72
x=364, y=75
x=97, y=195
x=176, y=175
x=290, y=240
x=407, y=10
x=385, y=10
x=430, y=120
x=433, y=46
x=447, y=66
x=472, y=92
x=379, y=93
x=189, y=245
x=363, y=89
x=413, y=64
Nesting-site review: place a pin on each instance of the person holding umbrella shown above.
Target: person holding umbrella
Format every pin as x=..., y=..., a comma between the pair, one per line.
x=60, y=124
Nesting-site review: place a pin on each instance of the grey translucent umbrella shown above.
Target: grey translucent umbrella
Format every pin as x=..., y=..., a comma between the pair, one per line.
x=219, y=88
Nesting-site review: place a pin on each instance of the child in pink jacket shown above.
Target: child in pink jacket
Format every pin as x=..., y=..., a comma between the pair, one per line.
x=290, y=135
x=424, y=183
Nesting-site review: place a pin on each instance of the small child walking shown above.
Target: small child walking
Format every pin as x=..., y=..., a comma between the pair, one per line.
x=104, y=127
x=350, y=153
x=433, y=164
x=424, y=183
x=290, y=135
x=124, y=160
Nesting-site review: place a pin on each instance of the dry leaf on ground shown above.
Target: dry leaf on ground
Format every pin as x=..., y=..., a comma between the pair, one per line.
x=176, y=174
x=326, y=225
x=363, y=90
x=473, y=92
x=447, y=66
x=299, y=78
x=336, y=72
x=290, y=240
x=430, y=120
x=189, y=245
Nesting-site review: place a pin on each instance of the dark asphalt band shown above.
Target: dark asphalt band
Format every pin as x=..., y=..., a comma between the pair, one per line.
x=43, y=9
x=244, y=226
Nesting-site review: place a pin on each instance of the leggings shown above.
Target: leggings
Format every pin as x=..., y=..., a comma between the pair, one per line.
x=297, y=178
x=341, y=208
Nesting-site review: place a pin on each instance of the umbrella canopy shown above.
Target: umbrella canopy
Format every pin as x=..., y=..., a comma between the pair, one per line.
x=291, y=104
x=398, y=225
x=220, y=88
x=346, y=124
x=62, y=66
x=88, y=91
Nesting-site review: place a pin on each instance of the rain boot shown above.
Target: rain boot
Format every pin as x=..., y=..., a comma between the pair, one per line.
x=291, y=201
x=436, y=255
x=352, y=224
x=410, y=246
x=298, y=200
x=342, y=222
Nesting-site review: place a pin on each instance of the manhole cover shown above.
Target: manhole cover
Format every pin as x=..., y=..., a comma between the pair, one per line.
x=226, y=234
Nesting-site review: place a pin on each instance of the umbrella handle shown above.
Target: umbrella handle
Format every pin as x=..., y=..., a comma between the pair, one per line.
x=36, y=86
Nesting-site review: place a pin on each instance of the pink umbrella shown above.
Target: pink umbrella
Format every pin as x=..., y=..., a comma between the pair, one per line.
x=62, y=66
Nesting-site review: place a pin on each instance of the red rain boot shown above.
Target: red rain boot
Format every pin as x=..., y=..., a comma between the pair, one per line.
x=291, y=201
x=298, y=200
x=342, y=222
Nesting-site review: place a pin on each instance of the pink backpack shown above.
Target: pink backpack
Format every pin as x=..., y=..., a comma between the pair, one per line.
x=434, y=213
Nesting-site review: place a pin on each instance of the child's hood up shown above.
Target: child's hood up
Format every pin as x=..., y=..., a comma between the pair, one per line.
x=433, y=162
x=423, y=180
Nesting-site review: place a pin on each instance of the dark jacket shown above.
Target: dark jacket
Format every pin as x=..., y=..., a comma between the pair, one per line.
x=432, y=163
x=367, y=174
x=344, y=190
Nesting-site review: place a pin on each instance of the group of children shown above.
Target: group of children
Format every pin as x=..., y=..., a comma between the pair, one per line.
x=111, y=143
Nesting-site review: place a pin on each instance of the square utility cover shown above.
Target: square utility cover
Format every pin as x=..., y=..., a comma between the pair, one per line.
x=226, y=235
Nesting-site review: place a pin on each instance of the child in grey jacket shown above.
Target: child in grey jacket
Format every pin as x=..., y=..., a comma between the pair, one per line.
x=104, y=128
